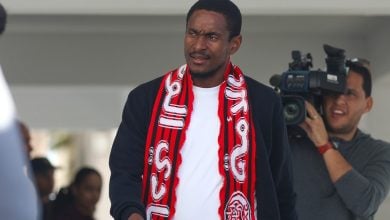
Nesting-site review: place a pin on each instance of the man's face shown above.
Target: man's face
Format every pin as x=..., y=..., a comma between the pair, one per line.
x=343, y=112
x=45, y=182
x=87, y=193
x=207, y=47
x=26, y=137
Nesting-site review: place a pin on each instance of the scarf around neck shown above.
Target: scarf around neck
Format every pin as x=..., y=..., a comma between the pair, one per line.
x=166, y=135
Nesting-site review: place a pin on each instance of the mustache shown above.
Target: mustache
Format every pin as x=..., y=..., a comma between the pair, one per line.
x=203, y=54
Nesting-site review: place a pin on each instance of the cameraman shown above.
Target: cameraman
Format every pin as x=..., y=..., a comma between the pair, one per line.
x=341, y=172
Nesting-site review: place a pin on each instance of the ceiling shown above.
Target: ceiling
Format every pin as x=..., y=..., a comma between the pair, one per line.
x=79, y=42
x=179, y=7
x=175, y=23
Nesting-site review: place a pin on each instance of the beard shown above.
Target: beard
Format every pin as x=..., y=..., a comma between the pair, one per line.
x=341, y=130
x=345, y=129
x=205, y=75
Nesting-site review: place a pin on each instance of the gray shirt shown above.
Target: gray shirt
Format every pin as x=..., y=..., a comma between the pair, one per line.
x=356, y=195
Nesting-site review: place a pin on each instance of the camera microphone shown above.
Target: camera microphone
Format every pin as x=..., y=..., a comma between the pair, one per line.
x=275, y=80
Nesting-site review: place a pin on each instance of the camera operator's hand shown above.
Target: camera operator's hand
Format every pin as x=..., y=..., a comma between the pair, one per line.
x=314, y=126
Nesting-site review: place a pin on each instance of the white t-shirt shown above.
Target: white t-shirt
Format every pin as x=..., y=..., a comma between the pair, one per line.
x=199, y=179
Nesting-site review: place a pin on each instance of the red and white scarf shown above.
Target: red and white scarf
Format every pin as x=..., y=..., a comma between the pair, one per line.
x=166, y=135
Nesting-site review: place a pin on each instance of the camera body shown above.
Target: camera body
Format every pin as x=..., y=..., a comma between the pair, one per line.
x=300, y=83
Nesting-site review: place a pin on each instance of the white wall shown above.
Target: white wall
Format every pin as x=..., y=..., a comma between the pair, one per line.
x=179, y=7
x=70, y=107
x=379, y=119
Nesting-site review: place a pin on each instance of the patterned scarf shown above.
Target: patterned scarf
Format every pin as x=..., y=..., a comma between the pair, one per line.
x=166, y=135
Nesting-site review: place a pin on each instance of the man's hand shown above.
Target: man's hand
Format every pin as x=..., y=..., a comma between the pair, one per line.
x=135, y=216
x=314, y=126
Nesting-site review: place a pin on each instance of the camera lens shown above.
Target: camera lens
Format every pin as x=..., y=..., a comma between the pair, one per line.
x=291, y=111
x=294, y=110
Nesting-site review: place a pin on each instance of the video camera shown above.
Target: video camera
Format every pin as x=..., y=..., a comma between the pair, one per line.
x=300, y=83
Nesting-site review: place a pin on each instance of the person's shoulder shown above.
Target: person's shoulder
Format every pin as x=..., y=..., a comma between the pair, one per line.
x=145, y=90
x=380, y=146
x=148, y=86
x=260, y=90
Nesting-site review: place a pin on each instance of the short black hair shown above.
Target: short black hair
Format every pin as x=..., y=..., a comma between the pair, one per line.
x=3, y=18
x=362, y=67
x=41, y=165
x=225, y=7
x=82, y=173
x=65, y=195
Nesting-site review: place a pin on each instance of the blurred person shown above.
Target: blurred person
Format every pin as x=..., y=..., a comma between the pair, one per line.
x=43, y=172
x=18, y=199
x=78, y=200
x=341, y=172
x=203, y=141
x=3, y=18
x=26, y=135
